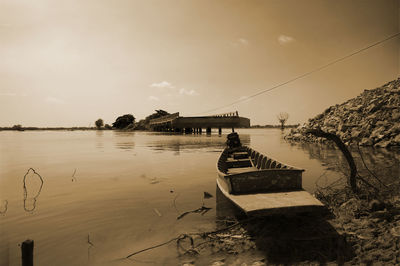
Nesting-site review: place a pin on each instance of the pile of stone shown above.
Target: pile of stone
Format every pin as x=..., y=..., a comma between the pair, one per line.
x=370, y=119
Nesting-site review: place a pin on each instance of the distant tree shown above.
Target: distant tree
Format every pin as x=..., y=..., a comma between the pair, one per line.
x=283, y=117
x=17, y=127
x=141, y=125
x=157, y=114
x=124, y=121
x=107, y=126
x=99, y=123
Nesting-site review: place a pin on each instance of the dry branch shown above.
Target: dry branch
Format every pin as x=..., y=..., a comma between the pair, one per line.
x=345, y=151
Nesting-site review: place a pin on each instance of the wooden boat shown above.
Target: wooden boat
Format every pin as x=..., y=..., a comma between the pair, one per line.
x=260, y=185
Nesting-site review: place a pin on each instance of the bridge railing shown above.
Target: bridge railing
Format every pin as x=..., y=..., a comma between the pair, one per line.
x=164, y=119
x=230, y=114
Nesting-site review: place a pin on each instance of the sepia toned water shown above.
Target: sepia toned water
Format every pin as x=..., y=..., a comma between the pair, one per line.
x=106, y=194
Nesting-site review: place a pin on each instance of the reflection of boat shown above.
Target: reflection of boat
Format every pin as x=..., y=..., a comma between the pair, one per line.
x=260, y=185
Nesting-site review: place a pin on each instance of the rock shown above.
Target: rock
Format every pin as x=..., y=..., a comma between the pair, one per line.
x=297, y=136
x=396, y=115
x=379, y=214
x=370, y=245
x=366, y=142
x=330, y=123
x=382, y=124
x=258, y=263
x=356, y=133
x=377, y=132
x=395, y=128
x=397, y=139
x=374, y=107
x=375, y=205
x=373, y=118
x=383, y=144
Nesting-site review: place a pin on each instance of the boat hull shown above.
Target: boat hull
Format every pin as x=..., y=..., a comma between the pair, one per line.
x=283, y=203
x=258, y=190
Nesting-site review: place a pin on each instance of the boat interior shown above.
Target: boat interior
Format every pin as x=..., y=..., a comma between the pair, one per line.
x=245, y=159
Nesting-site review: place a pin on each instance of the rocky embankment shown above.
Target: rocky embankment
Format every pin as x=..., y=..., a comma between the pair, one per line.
x=370, y=119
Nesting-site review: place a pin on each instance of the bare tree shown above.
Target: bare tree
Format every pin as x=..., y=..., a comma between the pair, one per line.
x=283, y=117
x=99, y=123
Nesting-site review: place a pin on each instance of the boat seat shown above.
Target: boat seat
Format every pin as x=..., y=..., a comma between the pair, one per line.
x=239, y=163
x=240, y=155
x=240, y=170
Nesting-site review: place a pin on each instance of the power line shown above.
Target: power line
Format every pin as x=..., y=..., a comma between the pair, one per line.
x=305, y=74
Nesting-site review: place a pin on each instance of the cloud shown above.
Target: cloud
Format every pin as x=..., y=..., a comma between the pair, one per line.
x=184, y=91
x=240, y=42
x=243, y=41
x=13, y=94
x=162, y=84
x=284, y=39
x=51, y=99
x=8, y=94
x=153, y=98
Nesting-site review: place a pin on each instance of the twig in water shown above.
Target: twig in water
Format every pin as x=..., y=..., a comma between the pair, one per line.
x=88, y=240
x=316, y=182
x=157, y=212
x=73, y=176
x=5, y=207
x=179, y=245
x=206, y=195
x=26, y=192
x=174, y=202
x=190, y=236
x=202, y=210
x=89, y=247
x=153, y=247
x=366, y=167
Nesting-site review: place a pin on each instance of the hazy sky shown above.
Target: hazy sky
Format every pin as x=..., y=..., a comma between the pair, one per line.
x=67, y=63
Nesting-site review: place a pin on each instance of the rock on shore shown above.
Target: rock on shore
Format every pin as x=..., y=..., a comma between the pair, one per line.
x=372, y=119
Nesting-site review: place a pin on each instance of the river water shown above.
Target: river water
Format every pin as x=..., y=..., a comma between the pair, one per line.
x=106, y=194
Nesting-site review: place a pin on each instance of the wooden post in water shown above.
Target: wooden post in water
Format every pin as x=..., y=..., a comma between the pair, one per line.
x=27, y=252
x=208, y=130
x=219, y=130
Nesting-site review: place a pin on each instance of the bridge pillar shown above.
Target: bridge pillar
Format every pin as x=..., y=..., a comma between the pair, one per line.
x=200, y=130
x=208, y=130
x=219, y=130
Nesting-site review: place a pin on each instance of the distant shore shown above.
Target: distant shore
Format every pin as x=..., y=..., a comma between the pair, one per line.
x=95, y=128
x=48, y=128
x=275, y=126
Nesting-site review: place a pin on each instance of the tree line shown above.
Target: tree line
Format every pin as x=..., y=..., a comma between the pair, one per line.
x=127, y=121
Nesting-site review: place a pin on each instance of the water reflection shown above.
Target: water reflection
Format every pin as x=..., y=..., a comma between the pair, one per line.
x=99, y=139
x=177, y=143
x=382, y=162
x=284, y=239
x=124, y=140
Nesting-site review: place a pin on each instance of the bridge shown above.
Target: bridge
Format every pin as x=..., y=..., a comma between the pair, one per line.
x=195, y=124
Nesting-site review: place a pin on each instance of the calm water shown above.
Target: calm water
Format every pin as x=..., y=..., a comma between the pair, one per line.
x=118, y=189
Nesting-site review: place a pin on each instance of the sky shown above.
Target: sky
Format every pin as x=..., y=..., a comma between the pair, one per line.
x=70, y=62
